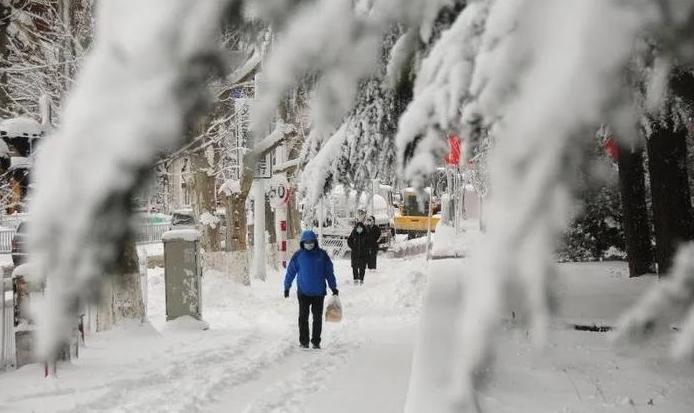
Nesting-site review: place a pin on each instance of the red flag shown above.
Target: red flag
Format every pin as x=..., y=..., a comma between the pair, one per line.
x=453, y=157
x=611, y=148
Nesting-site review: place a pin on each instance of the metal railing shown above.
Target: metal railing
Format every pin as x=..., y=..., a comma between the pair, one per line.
x=335, y=247
x=150, y=233
x=6, y=235
x=146, y=234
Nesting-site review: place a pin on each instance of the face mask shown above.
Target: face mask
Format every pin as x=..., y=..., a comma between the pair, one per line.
x=359, y=230
x=309, y=245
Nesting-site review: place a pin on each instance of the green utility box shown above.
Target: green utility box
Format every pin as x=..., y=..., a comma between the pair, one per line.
x=182, y=273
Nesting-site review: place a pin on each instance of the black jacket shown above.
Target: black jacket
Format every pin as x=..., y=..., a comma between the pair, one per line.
x=359, y=243
x=373, y=233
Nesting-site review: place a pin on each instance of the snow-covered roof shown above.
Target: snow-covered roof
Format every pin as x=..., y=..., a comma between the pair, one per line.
x=20, y=127
x=181, y=235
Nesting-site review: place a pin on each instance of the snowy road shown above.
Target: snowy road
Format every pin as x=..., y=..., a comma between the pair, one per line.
x=248, y=361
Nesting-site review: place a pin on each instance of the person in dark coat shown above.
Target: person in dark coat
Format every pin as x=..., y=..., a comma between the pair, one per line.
x=373, y=233
x=312, y=268
x=358, y=242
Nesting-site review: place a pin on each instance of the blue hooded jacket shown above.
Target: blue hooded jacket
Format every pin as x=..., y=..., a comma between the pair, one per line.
x=311, y=269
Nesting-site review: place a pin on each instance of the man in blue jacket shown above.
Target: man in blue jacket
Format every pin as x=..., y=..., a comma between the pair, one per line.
x=312, y=267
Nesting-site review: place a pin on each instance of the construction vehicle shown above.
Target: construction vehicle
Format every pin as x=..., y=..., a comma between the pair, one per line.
x=413, y=216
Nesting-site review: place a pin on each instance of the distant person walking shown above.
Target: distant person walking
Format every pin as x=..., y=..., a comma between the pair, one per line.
x=373, y=233
x=312, y=268
x=358, y=242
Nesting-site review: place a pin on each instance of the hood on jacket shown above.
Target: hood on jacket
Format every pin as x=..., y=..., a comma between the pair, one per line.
x=308, y=235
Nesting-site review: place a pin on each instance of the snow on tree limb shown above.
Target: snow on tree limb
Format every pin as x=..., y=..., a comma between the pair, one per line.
x=318, y=171
x=440, y=90
x=529, y=170
x=329, y=37
x=282, y=132
x=139, y=91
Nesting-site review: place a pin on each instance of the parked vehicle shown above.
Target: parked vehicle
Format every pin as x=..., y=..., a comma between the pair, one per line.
x=19, y=252
x=183, y=218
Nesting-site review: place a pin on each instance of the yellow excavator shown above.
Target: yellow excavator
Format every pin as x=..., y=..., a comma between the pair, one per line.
x=413, y=218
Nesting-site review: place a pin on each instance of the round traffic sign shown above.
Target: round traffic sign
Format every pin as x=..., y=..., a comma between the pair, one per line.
x=278, y=194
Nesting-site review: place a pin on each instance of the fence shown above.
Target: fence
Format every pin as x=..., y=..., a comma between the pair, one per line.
x=6, y=235
x=336, y=247
x=149, y=233
x=146, y=234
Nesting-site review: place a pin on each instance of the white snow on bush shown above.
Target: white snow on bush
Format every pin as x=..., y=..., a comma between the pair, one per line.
x=207, y=219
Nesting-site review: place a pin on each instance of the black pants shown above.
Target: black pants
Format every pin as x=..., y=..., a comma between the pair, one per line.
x=313, y=304
x=373, y=253
x=359, y=268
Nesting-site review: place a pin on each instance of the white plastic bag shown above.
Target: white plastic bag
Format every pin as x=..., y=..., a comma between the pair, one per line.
x=333, y=312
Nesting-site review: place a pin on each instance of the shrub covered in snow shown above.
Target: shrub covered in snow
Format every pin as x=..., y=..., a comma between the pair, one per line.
x=597, y=232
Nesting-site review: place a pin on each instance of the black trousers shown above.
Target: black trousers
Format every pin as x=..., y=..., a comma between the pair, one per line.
x=373, y=253
x=359, y=268
x=314, y=305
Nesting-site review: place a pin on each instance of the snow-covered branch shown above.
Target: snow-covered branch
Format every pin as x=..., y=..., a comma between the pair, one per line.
x=139, y=91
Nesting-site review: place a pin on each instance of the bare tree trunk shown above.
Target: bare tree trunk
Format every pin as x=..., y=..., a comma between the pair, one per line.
x=122, y=294
x=204, y=201
x=637, y=231
x=293, y=218
x=237, y=243
x=127, y=291
x=672, y=208
x=4, y=23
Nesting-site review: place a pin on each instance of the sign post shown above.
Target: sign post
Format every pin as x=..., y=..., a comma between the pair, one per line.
x=278, y=195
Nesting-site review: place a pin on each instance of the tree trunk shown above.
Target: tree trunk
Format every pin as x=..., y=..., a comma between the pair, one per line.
x=237, y=244
x=293, y=217
x=204, y=201
x=127, y=291
x=122, y=294
x=4, y=23
x=637, y=231
x=672, y=209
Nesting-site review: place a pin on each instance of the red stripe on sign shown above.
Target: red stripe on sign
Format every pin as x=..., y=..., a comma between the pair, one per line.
x=284, y=264
x=283, y=225
x=283, y=246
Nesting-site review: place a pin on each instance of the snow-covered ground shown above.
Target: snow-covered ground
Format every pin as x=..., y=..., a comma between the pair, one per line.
x=249, y=361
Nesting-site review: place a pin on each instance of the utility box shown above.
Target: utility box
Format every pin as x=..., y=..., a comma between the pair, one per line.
x=182, y=273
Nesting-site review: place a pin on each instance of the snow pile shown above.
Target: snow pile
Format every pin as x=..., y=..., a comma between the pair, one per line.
x=408, y=247
x=447, y=242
